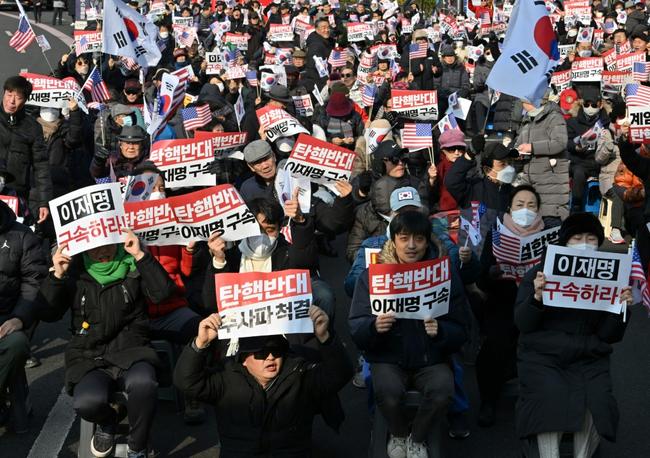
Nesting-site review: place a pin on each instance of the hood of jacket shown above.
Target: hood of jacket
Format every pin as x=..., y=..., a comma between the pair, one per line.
x=7, y=217
x=380, y=194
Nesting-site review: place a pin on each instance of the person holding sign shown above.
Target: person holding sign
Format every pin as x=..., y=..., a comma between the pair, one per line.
x=495, y=362
x=565, y=383
x=415, y=350
x=106, y=288
x=265, y=398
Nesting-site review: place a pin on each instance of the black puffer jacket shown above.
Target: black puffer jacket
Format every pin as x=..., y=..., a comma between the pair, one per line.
x=321, y=47
x=59, y=151
x=507, y=114
x=22, y=268
x=118, y=335
x=23, y=148
x=271, y=423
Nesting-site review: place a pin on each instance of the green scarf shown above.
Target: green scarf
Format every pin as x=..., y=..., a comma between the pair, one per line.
x=112, y=271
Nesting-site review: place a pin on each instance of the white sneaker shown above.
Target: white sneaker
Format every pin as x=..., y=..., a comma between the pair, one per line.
x=416, y=449
x=616, y=237
x=396, y=447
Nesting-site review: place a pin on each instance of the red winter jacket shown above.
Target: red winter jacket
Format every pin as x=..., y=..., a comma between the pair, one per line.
x=447, y=201
x=176, y=261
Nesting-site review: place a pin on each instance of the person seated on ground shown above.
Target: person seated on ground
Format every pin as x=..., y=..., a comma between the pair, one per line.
x=496, y=359
x=22, y=268
x=131, y=152
x=265, y=398
x=565, y=384
x=417, y=350
x=106, y=288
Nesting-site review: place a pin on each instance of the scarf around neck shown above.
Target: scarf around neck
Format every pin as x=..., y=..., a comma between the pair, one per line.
x=536, y=226
x=112, y=271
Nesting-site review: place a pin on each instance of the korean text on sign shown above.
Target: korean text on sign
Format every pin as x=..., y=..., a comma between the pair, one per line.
x=411, y=291
x=185, y=162
x=319, y=161
x=259, y=303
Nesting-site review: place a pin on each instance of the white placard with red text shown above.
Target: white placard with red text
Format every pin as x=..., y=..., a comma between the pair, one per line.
x=279, y=32
x=639, y=124
x=184, y=162
x=358, y=31
x=51, y=92
x=89, y=217
x=278, y=123
x=320, y=161
x=12, y=202
x=414, y=291
x=409, y=104
x=586, y=69
x=259, y=303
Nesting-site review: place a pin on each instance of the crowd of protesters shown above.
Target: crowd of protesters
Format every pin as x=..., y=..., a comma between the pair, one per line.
x=527, y=164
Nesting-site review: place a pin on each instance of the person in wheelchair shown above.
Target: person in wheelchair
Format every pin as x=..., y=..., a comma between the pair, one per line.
x=409, y=354
x=105, y=288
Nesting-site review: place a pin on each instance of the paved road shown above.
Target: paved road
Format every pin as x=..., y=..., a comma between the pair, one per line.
x=55, y=431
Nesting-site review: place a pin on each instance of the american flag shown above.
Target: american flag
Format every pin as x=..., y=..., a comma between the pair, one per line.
x=338, y=57
x=417, y=136
x=128, y=63
x=637, y=95
x=185, y=36
x=231, y=55
x=505, y=247
x=97, y=87
x=638, y=279
x=195, y=117
x=23, y=36
x=640, y=71
x=251, y=77
x=368, y=94
x=417, y=50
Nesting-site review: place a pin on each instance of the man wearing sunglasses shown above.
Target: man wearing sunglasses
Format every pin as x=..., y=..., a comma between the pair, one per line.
x=265, y=398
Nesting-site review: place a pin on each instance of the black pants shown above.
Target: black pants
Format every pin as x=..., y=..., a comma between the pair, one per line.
x=38, y=10
x=58, y=12
x=390, y=382
x=93, y=394
x=581, y=169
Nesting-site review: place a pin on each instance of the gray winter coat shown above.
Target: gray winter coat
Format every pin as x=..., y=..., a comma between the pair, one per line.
x=481, y=91
x=608, y=156
x=548, y=169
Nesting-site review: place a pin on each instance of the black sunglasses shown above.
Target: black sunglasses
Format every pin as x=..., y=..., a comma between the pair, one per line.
x=590, y=104
x=346, y=75
x=394, y=159
x=132, y=91
x=265, y=352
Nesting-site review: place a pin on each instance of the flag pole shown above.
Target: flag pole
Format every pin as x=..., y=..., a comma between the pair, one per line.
x=22, y=13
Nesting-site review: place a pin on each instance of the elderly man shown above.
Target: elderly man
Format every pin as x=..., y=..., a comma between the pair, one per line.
x=131, y=152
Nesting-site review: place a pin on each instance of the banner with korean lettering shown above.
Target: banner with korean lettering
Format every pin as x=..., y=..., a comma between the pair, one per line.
x=359, y=31
x=639, y=124
x=222, y=142
x=278, y=123
x=586, y=69
x=184, y=162
x=561, y=80
x=625, y=62
x=12, y=202
x=218, y=209
x=214, y=63
x=88, y=217
x=303, y=105
x=260, y=303
x=50, y=92
x=320, y=161
x=280, y=32
x=87, y=41
x=615, y=80
x=154, y=222
x=409, y=104
x=414, y=291
x=588, y=280
x=239, y=40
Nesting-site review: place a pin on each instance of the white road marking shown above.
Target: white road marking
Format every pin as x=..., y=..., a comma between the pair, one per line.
x=55, y=430
x=9, y=33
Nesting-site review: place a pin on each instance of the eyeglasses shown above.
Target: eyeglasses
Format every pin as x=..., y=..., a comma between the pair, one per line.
x=347, y=75
x=590, y=104
x=394, y=159
x=81, y=62
x=131, y=91
x=455, y=149
x=265, y=352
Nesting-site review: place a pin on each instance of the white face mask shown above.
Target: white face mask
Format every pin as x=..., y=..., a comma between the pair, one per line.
x=261, y=245
x=2, y=183
x=506, y=175
x=489, y=57
x=220, y=86
x=157, y=196
x=584, y=53
x=591, y=111
x=582, y=246
x=572, y=33
x=523, y=217
x=49, y=114
x=164, y=35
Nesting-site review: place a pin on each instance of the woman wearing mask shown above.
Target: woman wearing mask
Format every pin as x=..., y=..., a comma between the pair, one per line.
x=542, y=142
x=131, y=151
x=565, y=383
x=75, y=66
x=167, y=52
x=495, y=363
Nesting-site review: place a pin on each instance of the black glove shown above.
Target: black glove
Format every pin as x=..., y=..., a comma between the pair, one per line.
x=216, y=167
x=478, y=144
x=365, y=182
x=101, y=152
x=479, y=88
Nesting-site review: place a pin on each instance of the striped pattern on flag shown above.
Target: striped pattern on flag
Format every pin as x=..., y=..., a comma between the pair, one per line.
x=640, y=71
x=338, y=57
x=638, y=278
x=251, y=77
x=185, y=36
x=195, y=117
x=417, y=50
x=417, y=136
x=637, y=95
x=505, y=247
x=97, y=87
x=23, y=36
x=368, y=94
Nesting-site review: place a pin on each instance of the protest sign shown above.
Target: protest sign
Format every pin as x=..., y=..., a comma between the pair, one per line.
x=285, y=185
x=139, y=187
x=214, y=63
x=217, y=209
x=586, y=69
x=154, y=222
x=615, y=80
x=413, y=291
x=320, y=161
x=609, y=57
x=184, y=162
x=88, y=217
x=639, y=124
x=415, y=104
x=358, y=31
x=87, y=41
x=561, y=80
x=279, y=32
x=564, y=50
x=625, y=62
x=303, y=105
x=222, y=141
x=372, y=255
x=588, y=280
x=51, y=92
x=12, y=202
x=239, y=40
x=278, y=123
x=259, y=303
